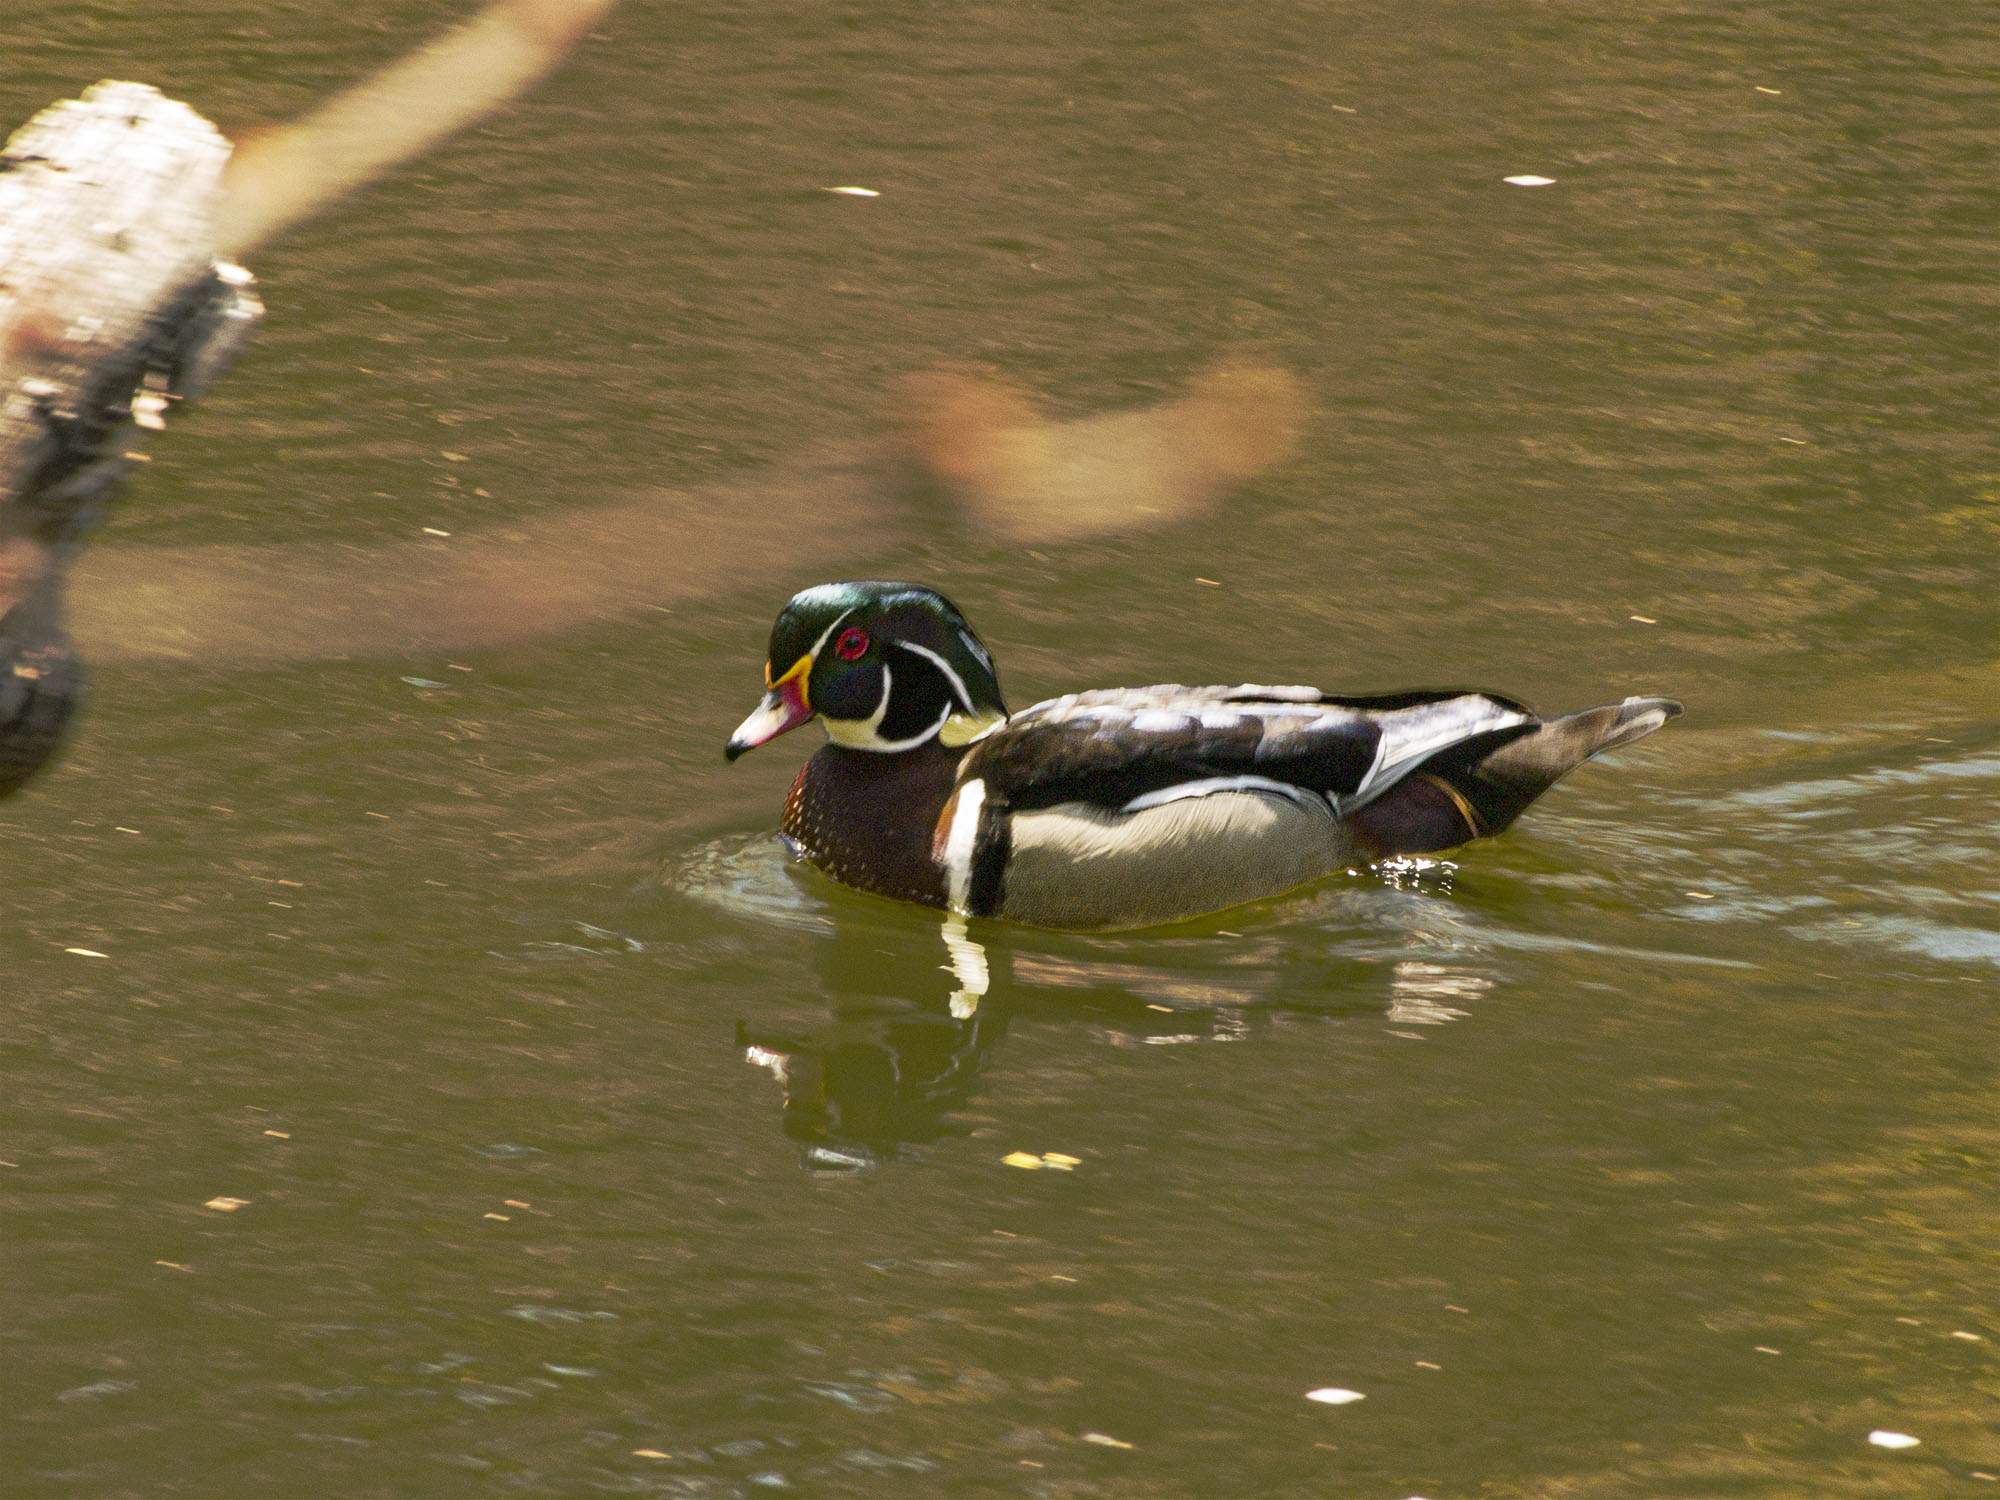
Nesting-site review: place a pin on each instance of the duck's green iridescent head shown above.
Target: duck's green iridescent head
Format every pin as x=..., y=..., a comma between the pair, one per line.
x=889, y=666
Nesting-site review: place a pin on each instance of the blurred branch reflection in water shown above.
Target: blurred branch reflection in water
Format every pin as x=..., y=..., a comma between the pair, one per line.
x=966, y=451
x=283, y=175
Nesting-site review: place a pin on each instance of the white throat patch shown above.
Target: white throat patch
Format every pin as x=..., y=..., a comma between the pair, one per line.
x=866, y=734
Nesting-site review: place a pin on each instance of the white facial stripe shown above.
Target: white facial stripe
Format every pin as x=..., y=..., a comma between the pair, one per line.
x=812, y=651
x=839, y=620
x=957, y=682
x=978, y=651
x=866, y=734
x=916, y=739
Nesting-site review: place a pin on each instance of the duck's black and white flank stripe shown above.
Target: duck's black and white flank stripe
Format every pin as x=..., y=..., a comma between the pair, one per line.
x=1128, y=806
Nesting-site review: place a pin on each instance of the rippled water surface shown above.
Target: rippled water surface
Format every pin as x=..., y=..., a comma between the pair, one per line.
x=424, y=1076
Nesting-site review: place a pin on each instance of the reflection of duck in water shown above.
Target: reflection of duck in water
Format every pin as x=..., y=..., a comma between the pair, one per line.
x=899, y=1056
x=1129, y=806
x=880, y=1073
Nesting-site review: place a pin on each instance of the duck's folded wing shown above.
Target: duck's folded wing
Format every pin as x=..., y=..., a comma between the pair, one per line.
x=1130, y=749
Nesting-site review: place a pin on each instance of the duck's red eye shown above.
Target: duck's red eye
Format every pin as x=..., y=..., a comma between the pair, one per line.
x=852, y=645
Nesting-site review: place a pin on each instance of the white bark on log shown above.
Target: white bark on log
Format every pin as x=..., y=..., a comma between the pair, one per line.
x=107, y=213
x=111, y=308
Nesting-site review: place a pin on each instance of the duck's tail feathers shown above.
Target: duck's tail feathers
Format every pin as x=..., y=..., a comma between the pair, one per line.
x=1481, y=785
x=1500, y=784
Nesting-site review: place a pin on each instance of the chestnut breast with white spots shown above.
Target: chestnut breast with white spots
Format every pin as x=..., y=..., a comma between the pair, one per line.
x=870, y=820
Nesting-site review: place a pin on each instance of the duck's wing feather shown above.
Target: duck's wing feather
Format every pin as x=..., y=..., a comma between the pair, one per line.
x=1134, y=748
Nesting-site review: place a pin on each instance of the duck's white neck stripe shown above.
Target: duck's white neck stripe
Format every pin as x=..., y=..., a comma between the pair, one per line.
x=839, y=620
x=960, y=840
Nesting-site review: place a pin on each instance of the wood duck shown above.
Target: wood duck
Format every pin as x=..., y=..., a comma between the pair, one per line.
x=1124, y=807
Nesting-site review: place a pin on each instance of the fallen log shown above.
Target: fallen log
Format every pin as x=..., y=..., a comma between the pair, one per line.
x=121, y=214
x=113, y=309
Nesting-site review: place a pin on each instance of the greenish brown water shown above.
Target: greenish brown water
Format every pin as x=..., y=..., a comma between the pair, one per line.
x=1646, y=1152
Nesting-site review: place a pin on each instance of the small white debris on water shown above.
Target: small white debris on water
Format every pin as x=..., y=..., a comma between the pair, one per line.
x=433, y=531
x=1643, y=619
x=1333, y=1395
x=1960, y=1333
x=226, y=1205
x=1528, y=179
x=1762, y=90
x=855, y=192
x=1104, y=1440
x=1882, y=1438
x=86, y=953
